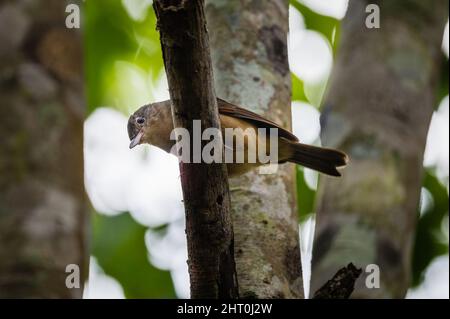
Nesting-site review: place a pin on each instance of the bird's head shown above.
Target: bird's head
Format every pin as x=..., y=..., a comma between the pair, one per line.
x=139, y=125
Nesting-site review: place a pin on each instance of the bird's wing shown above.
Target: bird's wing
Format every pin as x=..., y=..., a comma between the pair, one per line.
x=229, y=109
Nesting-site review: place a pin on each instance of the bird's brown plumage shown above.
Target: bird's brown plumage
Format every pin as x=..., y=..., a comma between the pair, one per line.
x=159, y=124
x=232, y=110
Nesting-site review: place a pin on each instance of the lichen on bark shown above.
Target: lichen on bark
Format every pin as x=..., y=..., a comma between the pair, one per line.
x=378, y=108
x=249, y=52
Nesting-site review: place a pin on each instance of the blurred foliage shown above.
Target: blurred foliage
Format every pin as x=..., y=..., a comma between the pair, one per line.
x=443, y=87
x=118, y=49
x=305, y=195
x=330, y=28
x=120, y=249
x=327, y=26
x=298, y=89
x=112, y=36
x=123, y=61
x=431, y=241
x=311, y=93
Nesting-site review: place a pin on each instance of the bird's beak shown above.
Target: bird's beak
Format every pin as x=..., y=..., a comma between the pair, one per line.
x=137, y=139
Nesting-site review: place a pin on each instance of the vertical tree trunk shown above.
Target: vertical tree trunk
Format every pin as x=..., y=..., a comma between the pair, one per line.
x=42, y=202
x=209, y=230
x=378, y=109
x=249, y=53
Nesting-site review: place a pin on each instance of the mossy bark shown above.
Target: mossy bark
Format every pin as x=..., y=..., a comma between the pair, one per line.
x=249, y=53
x=42, y=202
x=378, y=109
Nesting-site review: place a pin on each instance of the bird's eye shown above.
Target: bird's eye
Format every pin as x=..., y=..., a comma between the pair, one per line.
x=140, y=120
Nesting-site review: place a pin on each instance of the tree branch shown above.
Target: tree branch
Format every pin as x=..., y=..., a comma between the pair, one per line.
x=187, y=60
x=341, y=285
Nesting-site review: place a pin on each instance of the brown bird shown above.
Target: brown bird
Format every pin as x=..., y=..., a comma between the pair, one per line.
x=152, y=124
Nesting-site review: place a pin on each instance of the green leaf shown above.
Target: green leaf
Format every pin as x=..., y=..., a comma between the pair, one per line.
x=328, y=26
x=111, y=35
x=298, y=89
x=120, y=249
x=305, y=196
x=444, y=82
x=315, y=92
x=429, y=242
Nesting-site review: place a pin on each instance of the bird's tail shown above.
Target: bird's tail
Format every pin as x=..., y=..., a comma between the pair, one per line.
x=325, y=160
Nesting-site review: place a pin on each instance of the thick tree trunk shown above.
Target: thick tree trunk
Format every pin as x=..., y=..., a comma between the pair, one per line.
x=378, y=109
x=42, y=203
x=249, y=54
x=209, y=230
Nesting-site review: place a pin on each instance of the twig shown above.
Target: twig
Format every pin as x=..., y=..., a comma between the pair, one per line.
x=341, y=285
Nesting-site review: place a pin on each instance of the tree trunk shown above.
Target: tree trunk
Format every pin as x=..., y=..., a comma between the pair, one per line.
x=378, y=109
x=249, y=54
x=43, y=217
x=209, y=230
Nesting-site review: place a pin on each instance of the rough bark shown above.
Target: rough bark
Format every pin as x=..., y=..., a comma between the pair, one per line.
x=209, y=230
x=341, y=285
x=249, y=54
x=43, y=217
x=378, y=109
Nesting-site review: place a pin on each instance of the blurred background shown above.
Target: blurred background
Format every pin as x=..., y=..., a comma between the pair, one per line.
x=138, y=239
